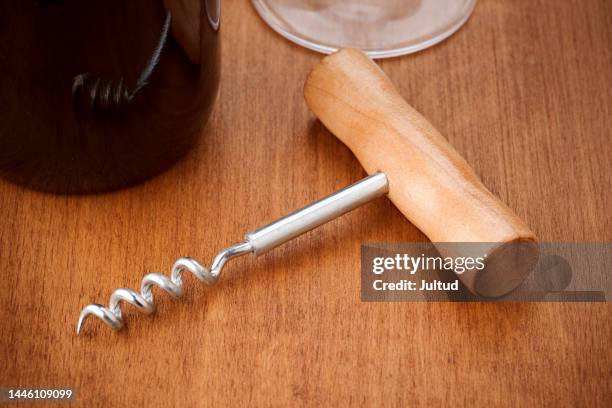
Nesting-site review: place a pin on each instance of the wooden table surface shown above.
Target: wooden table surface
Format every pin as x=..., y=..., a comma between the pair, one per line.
x=522, y=91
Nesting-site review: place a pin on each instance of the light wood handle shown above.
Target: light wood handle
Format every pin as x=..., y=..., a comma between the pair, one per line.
x=429, y=182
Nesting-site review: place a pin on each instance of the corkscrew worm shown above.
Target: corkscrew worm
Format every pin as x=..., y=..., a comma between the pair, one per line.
x=258, y=242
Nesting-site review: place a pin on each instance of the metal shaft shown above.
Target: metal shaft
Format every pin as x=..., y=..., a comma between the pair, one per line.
x=317, y=213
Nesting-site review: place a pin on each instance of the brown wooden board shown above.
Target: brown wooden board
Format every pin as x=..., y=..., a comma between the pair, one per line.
x=522, y=92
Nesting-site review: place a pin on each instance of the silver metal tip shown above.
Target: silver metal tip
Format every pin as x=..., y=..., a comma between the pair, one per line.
x=80, y=324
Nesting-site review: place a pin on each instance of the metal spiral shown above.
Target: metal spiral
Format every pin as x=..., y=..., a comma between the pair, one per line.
x=143, y=301
x=104, y=96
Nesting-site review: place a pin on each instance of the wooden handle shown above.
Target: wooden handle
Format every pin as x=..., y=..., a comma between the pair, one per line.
x=429, y=182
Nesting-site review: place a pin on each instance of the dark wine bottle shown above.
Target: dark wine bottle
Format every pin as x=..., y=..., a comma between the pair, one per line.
x=98, y=95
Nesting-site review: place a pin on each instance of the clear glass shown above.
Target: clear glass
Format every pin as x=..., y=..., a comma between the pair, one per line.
x=382, y=28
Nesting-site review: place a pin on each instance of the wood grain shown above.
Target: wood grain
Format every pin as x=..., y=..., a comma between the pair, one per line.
x=522, y=92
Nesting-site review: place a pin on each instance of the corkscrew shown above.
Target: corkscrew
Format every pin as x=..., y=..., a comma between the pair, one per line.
x=103, y=96
x=409, y=160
